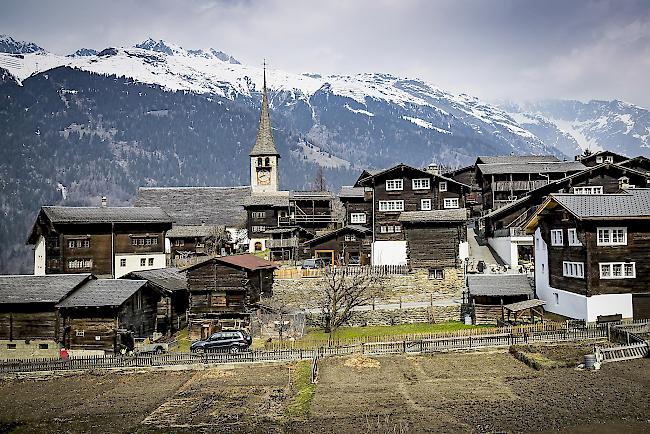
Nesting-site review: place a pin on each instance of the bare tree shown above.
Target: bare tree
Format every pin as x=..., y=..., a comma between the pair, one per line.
x=320, y=184
x=342, y=292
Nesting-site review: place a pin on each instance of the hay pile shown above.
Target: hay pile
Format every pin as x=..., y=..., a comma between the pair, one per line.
x=359, y=361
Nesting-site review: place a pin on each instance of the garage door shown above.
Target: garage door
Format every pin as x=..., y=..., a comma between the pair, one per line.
x=641, y=306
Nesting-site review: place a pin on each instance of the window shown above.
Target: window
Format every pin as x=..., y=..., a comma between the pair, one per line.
x=267, y=162
x=557, y=237
x=609, y=159
x=80, y=333
x=134, y=241
x=421, y=184
x=259, y=161
x=595, y=189
x=573, y=269
x=76, y=244
x=350, y=237
x=258, y=214
x=358, y=217
x=451, y=203
x=11, y=346
x=599, y=160
x=617, y=270
x=140, y=241
x=556, y=296
x=572, y=235
x=390, y=229
x=71, y=244
x=76, y=264
x=442, y=186
x=425, y=204
x=147, y=241
x=436, y=273
x=391, y=205
x=394, y=184
x=86, y=243
x=612, y=237
x=143, y=262
x=43, y=346
x=151, y=262
x=123, y=262
x=258, y=228
x=398, y=228
x=179, y=243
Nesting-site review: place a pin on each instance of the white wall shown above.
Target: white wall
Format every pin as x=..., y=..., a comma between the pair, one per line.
x=133, y=263
x=251, y=244
x=505, y=248
x=39, y=257
x=574, y=305
x=463, y=251
x=389, y=253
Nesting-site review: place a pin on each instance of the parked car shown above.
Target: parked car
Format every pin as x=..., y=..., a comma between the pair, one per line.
x=313, y=264
x=232, y=341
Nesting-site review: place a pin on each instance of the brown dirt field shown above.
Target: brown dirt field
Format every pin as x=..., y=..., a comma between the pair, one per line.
x=453, y=392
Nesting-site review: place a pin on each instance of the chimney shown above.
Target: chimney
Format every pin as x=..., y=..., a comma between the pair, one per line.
x=433, y=169
x=104, y=202
x=623, y=183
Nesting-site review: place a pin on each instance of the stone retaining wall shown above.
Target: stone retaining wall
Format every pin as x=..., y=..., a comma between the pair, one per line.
x=431, y=314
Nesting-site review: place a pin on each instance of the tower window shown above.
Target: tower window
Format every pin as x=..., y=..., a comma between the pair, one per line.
x=259, y=161
x=267, y=161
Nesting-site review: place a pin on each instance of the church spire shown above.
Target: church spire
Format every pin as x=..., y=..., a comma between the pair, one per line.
x=264, y=143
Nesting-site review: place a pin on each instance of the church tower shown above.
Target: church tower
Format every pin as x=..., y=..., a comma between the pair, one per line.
x=264, y=155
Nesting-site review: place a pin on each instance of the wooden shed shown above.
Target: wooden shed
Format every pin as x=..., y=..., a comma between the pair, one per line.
x=349, y=245
x=29, y=320
x=223, y=290
x=487, y=293
x=105, y=313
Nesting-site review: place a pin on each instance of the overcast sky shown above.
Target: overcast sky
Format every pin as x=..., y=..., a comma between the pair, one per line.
x=492, y=49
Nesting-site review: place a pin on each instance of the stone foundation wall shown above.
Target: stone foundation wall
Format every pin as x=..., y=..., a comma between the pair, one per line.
x=431, y=314
x=28, y=349
x=415, y=286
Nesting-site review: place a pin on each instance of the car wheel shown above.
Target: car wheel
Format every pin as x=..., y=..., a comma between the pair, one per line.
x=234, y=349
x=199, y=350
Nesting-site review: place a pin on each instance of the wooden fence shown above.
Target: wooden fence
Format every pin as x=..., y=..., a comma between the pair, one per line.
x=632, y=345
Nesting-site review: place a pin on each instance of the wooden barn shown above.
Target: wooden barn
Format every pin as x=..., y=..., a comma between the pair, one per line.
x=172, y=308
x=223, y=292
x=349, y=245
x=488, y=293
x=435, y=239
x=29, y=321
x=106, y=313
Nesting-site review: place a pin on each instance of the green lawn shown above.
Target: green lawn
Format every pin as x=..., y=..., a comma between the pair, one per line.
x=299, y=406
x=182, y=337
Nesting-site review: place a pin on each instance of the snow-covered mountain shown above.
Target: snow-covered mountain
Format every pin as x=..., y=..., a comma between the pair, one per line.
x=573, y=126
x=84, y=52
x=12, y=46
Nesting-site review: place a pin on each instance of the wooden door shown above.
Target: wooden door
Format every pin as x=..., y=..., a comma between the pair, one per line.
x=641, y=306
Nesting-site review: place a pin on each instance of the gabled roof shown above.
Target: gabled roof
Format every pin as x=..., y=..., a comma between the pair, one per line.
x=195, y=231
x=640, y=162
x=401, y=167
x=95, y=214
x=452, y=173
x=531, y=167
x=166, y=279
x=436, y=215
x=515, y=159
x=358, y=229
x=103, y=293
x=311, y=195
x=365, y=174
x=499, y=285
x=277, y=200
x=602, y=153
x=264, y=142
x=244, y=261
x=39, y=289
x=198, y=205
x=349, y=191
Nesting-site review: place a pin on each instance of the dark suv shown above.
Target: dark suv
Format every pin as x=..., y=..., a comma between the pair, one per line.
x=233, y=341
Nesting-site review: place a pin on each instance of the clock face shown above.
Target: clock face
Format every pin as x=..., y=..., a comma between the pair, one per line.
x=263, y=177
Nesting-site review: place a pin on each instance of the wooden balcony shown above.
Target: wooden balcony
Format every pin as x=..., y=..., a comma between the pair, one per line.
x=298, y=219
x=285, y=243
x=518, y=185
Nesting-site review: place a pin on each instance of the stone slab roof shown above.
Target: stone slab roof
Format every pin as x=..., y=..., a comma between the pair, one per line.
x=514, y=159
x=195, y=231
x=362, y=230
x=523, y=305
x=279, y=200
x=350, y=191
x=634, y=203
x=167, y=279
x=103, y=292
x=311, y=195
x=197, y=205
x=39, y=289
x=88, y=214
x=534, y=167
x=436, y=215
x=499, y=284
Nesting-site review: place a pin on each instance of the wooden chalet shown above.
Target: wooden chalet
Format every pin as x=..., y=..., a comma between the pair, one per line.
x=189, y=242
x=349, y=245
x=487, y=294
x=30, y=324
x=601, y=157
x=640, y=164
x=223, y=292
x=105, y=241
x=474, y=198
x=591, y=254
x=105, y=314
x=503, y=179
x=405, y=189
x=357, y=206
x=435, y=239
x=263, y=213
x=171, y=312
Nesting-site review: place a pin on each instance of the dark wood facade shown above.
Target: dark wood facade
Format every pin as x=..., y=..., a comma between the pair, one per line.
x=434, y=244
x=467, y=176
x=222, y=292
x=29, y=321
x=344, y=246
x=601, y=157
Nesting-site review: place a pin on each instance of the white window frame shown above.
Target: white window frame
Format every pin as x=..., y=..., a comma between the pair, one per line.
x=150, y=262
x=394, y=184
x=573, y=269
x=599, y=160
x=449, y=202
x=421, y=184
x=358, y=217
x=592, y=189
x=442, y=186
x=607, y=270
x=258, y=214
x=391, y=205
x=572, y=237
x=557, y=237
x=258, y=228
x=425, y=204
x=143, y=262
x=605, y=236
x=609, y=159
x=350, y=237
